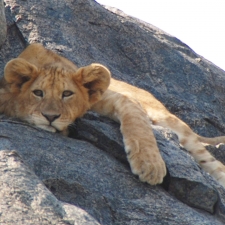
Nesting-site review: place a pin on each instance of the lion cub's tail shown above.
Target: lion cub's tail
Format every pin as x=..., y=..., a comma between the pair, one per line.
x=212, y=141
x=193, y=143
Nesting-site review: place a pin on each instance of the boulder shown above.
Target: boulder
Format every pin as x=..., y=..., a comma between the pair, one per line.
x=85, y=178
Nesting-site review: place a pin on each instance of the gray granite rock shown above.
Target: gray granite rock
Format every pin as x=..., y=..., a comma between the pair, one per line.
x=25, y=200
x=82, y=175
x=88, y=174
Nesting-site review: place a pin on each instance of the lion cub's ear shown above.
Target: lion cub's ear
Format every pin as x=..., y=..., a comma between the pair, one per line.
x=18, y=71
x=96, y=78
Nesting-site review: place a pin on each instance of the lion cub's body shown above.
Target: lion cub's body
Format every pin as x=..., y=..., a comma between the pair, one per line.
x=50, y=92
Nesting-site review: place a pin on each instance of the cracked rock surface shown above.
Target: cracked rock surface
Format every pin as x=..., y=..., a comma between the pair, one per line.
x=85, y=178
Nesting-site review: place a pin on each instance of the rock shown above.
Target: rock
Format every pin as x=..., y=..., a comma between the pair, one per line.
x=79, y=174
x=31, y=202
x=2, y=23
x=87, y=176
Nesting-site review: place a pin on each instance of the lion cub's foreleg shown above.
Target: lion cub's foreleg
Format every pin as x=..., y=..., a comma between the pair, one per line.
x=140, y=144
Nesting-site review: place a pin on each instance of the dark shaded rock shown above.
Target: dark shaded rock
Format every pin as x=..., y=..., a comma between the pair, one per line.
x=92, y=174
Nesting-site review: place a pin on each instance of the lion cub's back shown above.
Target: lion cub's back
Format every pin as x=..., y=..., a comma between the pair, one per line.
x=146, y=99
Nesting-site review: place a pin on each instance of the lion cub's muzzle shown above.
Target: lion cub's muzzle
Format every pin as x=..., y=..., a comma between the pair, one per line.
x=52, y=122
x=51, y=118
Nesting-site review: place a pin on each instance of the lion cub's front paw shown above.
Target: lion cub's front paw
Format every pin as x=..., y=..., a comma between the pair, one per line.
x=146, y=163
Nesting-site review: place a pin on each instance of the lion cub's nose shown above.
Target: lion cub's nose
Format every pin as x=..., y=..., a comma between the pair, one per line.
x=51, y=118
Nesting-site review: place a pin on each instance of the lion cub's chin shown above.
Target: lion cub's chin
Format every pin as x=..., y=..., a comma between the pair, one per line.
x=48, y=128
x=52, y=129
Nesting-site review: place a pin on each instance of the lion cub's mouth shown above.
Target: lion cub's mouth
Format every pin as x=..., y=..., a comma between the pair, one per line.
x=53, y=129
x=49, y=128
x=58, y=127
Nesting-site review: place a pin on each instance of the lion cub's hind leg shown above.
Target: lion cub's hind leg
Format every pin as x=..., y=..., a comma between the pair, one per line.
x=191, y=142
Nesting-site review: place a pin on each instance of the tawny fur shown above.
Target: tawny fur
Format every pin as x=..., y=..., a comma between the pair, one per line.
x=50, y=92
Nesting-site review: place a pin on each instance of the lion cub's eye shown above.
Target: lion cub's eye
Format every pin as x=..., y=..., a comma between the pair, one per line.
x=38, y=93
x=67, y=94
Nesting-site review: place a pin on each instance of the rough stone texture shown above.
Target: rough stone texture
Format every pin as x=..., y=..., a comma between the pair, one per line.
x=79, y=174
x=2, y=23
x=88, y=178
x=25, y=200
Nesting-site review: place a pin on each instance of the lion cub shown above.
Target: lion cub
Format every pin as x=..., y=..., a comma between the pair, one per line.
x=50, y=92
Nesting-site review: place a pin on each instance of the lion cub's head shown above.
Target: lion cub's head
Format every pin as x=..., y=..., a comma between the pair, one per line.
x=50, y=97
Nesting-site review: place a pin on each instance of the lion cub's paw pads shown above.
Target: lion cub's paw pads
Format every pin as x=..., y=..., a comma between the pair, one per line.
x=149, y=169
